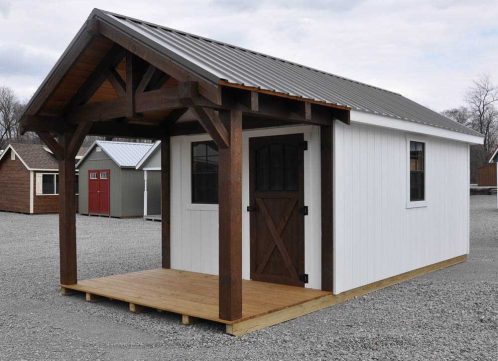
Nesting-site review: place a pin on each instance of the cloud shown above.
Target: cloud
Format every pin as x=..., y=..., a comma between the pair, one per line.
x=428, y=50
x=4, y=8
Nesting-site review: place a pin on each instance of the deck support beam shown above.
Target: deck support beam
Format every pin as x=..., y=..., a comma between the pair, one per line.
x=165, y=201
x=67, y=214
x=327, y=194
x=230, y=220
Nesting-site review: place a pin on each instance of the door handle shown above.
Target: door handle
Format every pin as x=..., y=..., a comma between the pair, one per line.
x=252, y=208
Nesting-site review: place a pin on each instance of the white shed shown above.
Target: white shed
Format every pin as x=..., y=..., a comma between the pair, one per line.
x=150, y=164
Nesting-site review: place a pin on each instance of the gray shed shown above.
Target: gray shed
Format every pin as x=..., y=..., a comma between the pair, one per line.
x=109, y=182
x=150, y=164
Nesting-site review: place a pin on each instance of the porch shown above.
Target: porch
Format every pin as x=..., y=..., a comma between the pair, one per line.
x=195, y=296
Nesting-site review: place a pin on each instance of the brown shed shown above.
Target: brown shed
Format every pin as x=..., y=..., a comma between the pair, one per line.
x=486, y=175
x=29, y=176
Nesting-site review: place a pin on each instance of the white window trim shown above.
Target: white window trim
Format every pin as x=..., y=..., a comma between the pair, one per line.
x=409, y=203
x=41, y=186
x=187, y=174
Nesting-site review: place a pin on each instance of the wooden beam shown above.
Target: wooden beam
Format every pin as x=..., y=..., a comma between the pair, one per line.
x=149, y=73
x=157, y=100
x=211, y=122
x=34, y=123
x=159, y=60
x=120, y=128
x=165, y=202
x=82, y=39
x=52, y=144
x=327, y=196
x=67, y=215
x=230, y=221
x=77, y=138
x=132, y=80
x=95, y=80
x=117, y=82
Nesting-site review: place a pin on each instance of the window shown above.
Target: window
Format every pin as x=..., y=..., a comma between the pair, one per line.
x=49, y=184
x=103, y=175
x=93, y=175
x=204, y=173
x=417, y=171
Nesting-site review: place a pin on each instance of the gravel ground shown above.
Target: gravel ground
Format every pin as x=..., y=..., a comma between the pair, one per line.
x=447, y=315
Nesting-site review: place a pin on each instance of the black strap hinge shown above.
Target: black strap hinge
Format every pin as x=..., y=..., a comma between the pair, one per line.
x=252, y=208
x=304, y=145
x=303, y=278
x=304, y=210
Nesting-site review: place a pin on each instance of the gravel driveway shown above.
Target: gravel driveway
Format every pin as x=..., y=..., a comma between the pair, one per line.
x=450, y=314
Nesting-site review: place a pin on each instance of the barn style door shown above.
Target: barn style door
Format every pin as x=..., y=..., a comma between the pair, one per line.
x=276, y=170
x=99, y=192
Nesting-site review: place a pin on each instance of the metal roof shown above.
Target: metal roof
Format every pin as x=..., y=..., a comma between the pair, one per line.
x=148, y=155
x=124, y=154
x=219, y=62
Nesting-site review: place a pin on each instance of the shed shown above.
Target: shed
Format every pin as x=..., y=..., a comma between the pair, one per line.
x=29, y=176
x=150, y=164
x=284, y=189
x=110, y=184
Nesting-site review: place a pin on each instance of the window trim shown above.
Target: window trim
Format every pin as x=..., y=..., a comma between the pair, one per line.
x=186, y=159
x=55, y=185
x=192, y=170
x=409, y=202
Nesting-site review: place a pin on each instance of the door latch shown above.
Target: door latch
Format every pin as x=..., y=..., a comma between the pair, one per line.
x=303, y=278
x=252, y=208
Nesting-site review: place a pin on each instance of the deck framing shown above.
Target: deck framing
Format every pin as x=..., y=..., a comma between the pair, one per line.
x=195, y=295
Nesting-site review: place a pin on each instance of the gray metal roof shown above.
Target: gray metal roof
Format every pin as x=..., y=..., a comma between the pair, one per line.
x=124, y=154
x=216, y=61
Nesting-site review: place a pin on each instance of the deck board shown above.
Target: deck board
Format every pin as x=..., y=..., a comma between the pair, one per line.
x=193, y=294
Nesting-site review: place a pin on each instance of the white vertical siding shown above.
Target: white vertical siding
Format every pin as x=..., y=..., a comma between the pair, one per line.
x=194, y=227
x=376, y=235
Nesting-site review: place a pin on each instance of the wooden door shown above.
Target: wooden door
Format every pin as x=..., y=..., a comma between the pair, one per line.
x=104, y=194
x=93, y=192
x=99, y=191
x=276, y=175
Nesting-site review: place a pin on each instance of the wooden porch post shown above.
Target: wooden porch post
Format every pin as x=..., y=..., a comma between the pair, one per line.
x=230, y=221
x=327, y=173
x=165, y=201
x=67, y=214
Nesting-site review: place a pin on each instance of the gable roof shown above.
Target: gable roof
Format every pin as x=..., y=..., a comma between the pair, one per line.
x=124, y=154
x=147, y=155
x=36, y=156
x=222, y=63
x=226, y=65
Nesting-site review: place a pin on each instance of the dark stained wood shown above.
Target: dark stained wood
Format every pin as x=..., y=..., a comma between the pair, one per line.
x=276, y=223
x=149, y=73
x=95, y=80
x=77, y=138
x=211, y=122
x=120, y=128
x=44, y=124
x=155, y=100
x=158, y=60
x=100, y=111
x=67, y=215
x=83, y=38
x=230, y=222
x=52, y=144
x=165, y=201
x=327, y=194
x=117, y=82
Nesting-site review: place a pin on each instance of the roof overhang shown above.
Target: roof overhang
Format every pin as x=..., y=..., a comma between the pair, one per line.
x=410, y=126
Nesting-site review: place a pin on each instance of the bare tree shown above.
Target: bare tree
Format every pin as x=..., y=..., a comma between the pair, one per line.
x=460, y=115
x=10, y=114
x=482, y=99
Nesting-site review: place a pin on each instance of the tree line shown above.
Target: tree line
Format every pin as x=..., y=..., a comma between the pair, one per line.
x=479, y=112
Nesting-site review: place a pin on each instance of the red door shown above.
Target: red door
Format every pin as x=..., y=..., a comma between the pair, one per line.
x=98, y=191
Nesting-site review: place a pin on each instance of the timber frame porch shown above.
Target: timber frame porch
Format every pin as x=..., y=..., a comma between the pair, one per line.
x=113, y=82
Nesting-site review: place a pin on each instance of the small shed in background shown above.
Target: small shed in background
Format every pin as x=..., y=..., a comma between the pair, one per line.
x=29, y=175
x=150, y=164
x=486, y=175
x=110, y=184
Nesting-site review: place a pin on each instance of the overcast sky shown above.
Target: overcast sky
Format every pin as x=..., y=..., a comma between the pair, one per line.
x=427, y=50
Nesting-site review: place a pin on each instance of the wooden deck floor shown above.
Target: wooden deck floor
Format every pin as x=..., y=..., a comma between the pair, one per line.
x=195, y=295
